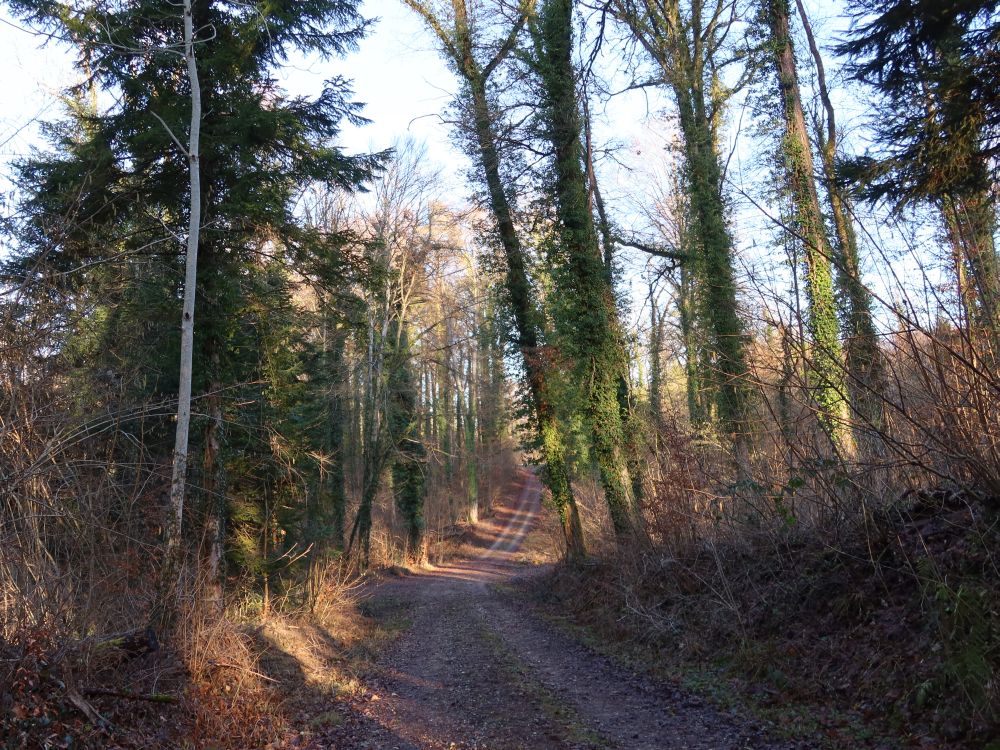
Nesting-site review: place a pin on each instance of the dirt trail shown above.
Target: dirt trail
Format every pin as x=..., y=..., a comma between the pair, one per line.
x=475, y=670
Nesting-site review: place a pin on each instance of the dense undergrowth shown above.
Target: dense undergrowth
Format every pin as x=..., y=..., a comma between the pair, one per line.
x=891, y=640
x=80, y=668
x=222, y=682
x=236, y=680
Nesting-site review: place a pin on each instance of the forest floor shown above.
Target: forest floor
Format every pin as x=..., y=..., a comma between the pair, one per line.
x=472, y=666
x=496, y=647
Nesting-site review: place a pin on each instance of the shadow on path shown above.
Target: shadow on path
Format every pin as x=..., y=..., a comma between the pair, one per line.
x=476, y=670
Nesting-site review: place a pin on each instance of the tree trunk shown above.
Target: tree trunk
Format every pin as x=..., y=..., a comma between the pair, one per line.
x=408, y=475
x=556, y=470
x=698, y=414
x=596, y=335
x=826, y=368
x=361, y=531
x=684, y=54
x=214, y=496
x=374, y=448
x=471, y=444
x=178, y=484
x=458, y=45
x=655, y=362
x=865, y=367
x=607, y=236
x=634, y=433
x=327, y=501
x=971, y=220
x=335, y=484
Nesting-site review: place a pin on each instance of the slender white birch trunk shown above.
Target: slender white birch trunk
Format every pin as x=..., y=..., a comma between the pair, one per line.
x=178, y=485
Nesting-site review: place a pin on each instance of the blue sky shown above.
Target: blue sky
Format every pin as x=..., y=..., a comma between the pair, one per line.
x=400, y=76
x=397, y=73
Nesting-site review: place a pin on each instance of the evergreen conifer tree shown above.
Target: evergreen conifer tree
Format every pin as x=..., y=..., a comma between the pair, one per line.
x=113, y=191
x=937, y=130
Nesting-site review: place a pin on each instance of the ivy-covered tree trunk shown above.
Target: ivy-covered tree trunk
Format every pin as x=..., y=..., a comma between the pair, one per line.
x=694, y=365
x=634, y=427
x=684, y=48
x=556, y=470
x=866, y=384
x=590, y=323
x=826, y=369
x=713, y=267
x=408, y=472
x=457, y=39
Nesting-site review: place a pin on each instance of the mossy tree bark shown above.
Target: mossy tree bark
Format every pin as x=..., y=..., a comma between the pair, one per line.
x=634, y=428
x=866, y=384
x=684, y=47
x=694, y=352
x=826, y=369
x=456, y=37
x=590, y=318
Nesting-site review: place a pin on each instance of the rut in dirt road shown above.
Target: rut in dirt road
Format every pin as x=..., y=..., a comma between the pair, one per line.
x=475, y=670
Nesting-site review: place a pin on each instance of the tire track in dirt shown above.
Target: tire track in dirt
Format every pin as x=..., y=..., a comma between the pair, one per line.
x=474, y=670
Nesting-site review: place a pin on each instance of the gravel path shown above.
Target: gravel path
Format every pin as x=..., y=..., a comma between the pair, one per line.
x=474, y=670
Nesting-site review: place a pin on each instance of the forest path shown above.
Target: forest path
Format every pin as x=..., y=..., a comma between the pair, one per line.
x=476, y=670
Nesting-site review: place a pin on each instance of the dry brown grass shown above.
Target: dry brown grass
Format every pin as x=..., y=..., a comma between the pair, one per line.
x=227, y=681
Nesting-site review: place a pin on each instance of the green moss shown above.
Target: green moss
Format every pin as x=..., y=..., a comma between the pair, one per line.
x=586, y=317
x=826, y=369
